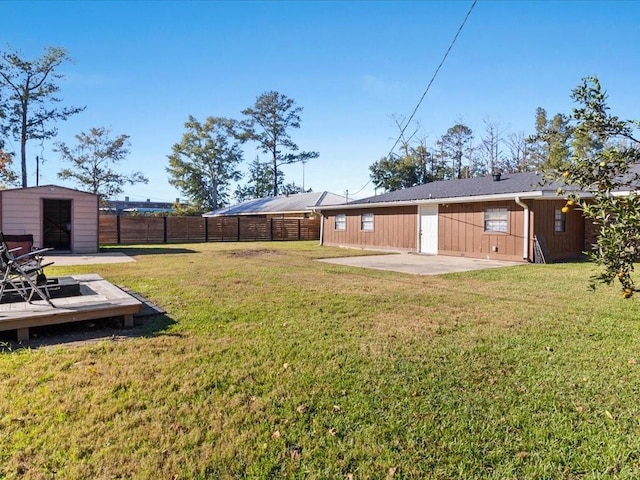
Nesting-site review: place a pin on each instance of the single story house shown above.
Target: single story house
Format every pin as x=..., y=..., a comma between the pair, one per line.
x=298, y=205
x=57, y=217
x=494, y=217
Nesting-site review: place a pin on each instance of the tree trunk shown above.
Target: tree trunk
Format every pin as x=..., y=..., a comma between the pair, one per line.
x=275, y=175
x=23, y=146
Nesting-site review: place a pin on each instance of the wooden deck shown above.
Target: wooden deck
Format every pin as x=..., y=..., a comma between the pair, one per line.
x=98, y=299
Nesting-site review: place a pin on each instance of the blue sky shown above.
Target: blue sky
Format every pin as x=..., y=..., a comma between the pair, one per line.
x=141, y=68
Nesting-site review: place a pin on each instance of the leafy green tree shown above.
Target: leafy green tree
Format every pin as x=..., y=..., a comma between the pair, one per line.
x=415, y=166
x=385, y=173
x=184, y=210
x=30, y=98
x=259, y=182
x=456, y=144
x=7, y=176
x=91, y=162
x=292, y=189
x=550, y=145
x=397, y=172
x=603, y=162
x=204, y=164
x=269, y=123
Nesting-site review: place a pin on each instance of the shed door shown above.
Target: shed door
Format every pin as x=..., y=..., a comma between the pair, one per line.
x=56, y=228
x=429, y=229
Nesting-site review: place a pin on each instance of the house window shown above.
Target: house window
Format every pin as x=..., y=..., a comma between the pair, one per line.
x=495, y=220
x=560, y=221
x=341, y=221
x=366, y=222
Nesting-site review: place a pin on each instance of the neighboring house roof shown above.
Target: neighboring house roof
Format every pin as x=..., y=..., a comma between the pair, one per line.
x=296, y=203
x=509, y=185
x=133, y=206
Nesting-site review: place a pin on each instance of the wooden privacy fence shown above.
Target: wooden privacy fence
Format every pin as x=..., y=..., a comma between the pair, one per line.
x=122, y=230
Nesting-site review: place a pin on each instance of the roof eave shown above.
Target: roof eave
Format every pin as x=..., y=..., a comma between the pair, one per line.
x=441, y=200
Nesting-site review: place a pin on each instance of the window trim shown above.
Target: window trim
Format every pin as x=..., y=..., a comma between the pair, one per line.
x=365, y=223
x=340, y=226
x=559, y=218
x=498, y=221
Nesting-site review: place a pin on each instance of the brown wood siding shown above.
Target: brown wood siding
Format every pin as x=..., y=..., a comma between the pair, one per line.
x=561, y=245
x=393, y=228
x=461, y=231
x=22, y=214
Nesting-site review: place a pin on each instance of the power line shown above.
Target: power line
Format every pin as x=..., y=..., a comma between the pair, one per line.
x=435, y=74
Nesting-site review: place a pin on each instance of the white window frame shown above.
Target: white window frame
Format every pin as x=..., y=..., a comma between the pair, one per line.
x=340, y=221
x=559, y=221
x=366, y=222
x=496, y=220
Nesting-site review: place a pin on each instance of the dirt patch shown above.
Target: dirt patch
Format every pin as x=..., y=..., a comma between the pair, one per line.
x=252, y=253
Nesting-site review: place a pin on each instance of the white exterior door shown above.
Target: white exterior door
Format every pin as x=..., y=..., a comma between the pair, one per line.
x=429, y=229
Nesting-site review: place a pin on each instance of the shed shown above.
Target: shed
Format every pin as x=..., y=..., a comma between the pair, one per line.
x=58, y=217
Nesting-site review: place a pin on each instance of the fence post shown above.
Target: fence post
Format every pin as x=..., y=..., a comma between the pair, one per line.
x=238, y=228
x=164, y=224
x=299, y=231
x=206, y=229
x=118, y=229
x=271, y=229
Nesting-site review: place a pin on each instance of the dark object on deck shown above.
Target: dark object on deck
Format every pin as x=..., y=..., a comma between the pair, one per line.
x=541, y=253
x=23, y=274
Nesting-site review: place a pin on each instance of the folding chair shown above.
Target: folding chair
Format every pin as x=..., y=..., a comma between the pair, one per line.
x=23, y=274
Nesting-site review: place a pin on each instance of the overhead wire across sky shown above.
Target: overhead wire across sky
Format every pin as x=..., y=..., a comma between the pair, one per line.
x=435, y=74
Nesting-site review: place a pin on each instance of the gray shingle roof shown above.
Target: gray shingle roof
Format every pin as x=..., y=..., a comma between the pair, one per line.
x=524, y=182
x=297, y=203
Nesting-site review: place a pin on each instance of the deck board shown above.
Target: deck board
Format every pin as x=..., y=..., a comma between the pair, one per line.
x=98, y=299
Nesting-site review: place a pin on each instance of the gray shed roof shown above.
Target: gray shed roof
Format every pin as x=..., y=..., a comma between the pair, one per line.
x=296, y=203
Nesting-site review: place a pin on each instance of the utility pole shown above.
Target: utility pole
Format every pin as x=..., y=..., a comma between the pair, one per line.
x=304, y=162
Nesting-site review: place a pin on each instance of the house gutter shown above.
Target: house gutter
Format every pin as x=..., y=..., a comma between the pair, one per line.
x=525, y=233
x=321, y=228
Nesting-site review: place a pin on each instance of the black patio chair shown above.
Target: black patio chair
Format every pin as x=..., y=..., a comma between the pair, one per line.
x=23, y=274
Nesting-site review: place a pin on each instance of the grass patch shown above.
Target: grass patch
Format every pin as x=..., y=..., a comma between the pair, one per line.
x=280, y=366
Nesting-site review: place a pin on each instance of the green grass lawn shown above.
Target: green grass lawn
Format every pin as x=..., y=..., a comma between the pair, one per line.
x=272, y=365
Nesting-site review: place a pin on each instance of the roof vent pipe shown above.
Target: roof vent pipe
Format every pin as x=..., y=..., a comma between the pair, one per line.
x=496, y=176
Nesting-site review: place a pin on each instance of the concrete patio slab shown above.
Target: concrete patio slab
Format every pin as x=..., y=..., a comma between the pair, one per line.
x=420, y=264
x=88, y=259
